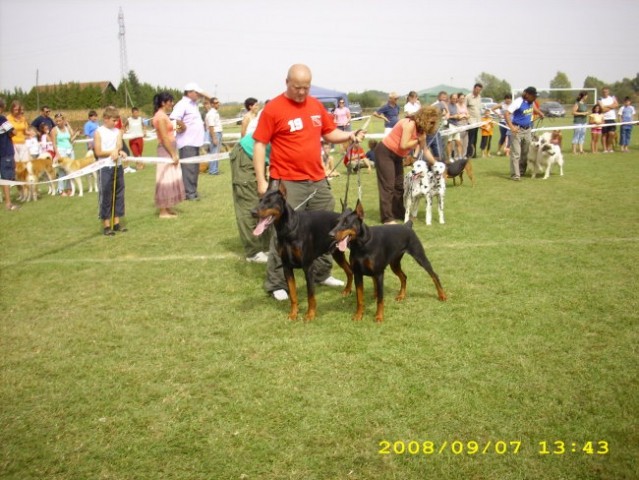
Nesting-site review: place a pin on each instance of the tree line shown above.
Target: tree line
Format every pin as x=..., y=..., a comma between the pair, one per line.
x=131, y=92
x=497, y=88
x=74, y=96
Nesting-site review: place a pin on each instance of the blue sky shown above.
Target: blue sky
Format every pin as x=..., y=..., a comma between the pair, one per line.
x=238, y=48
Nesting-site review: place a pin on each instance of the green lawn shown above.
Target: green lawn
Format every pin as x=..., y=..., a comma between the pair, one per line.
x=157, y=355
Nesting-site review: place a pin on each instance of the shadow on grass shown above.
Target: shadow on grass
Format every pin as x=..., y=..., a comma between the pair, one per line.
x=58, y=249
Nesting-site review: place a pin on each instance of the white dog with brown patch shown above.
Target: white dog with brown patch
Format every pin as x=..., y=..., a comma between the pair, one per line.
x=546, y=155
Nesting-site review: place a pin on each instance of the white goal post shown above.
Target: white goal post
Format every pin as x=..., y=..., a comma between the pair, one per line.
x=592, y=98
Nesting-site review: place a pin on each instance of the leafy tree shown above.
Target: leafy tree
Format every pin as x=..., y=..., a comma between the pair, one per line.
x=135, y=89
x=561, y=81
x=594, y=82
x=623, y=89
x=493, y=86
x=368, y=98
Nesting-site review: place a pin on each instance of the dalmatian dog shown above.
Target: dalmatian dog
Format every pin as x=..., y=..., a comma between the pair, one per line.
x=422, y=182
x=437, y=189
x=416, y=186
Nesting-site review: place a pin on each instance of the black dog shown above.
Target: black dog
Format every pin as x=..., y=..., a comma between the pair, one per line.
x=373, y=248
x=301, y=237
x=457, y=168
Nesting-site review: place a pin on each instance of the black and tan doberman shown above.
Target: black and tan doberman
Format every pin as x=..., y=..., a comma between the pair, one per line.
x=302, y=237
x=372, y=249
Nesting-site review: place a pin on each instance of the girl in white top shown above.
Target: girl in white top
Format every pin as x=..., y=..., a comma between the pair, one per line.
x=412, y=103
x=249, y=122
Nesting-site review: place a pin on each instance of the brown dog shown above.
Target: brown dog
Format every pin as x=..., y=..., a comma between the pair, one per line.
x=37, y=169
x=70, y=165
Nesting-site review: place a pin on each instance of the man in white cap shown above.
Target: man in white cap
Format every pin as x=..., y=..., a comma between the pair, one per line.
x=190, y=135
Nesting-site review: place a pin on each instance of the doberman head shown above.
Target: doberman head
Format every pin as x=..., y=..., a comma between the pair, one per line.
x=271, y=209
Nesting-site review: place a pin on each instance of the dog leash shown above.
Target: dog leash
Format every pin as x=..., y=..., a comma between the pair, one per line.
x=306, y=200
x=349, y=152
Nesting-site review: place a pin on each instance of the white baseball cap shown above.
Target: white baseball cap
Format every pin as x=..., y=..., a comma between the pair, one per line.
x=194, y=87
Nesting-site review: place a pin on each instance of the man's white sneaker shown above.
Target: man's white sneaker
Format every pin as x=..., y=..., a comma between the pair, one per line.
x=259, y=257
x=130, y=170
x=332, y=282
x=280, y=295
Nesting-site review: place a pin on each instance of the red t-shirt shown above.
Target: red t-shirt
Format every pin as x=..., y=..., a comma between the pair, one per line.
x=294, y=131
x=354, y=154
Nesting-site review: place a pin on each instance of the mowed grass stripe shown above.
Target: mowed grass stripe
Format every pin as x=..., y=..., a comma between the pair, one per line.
x=230, y=256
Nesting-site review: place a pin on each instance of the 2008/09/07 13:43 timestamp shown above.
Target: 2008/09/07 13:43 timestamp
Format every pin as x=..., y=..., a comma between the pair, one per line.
x=500, y=447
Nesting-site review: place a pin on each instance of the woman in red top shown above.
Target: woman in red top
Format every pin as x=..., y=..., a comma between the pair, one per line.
x=408, y=134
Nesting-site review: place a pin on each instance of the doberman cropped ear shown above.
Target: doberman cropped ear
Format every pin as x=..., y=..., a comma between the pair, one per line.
x=359, y=209
x=282, y=189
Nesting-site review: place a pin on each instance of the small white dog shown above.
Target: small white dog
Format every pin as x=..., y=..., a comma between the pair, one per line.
x=545, y=155
x=421, y=182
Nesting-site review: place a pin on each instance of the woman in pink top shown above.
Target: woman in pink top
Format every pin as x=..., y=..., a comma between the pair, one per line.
x=409, y=133
x=169, y=187
x=342, y=116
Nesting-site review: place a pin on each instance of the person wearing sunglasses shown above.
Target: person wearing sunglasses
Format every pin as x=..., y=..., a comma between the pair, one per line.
x=44, y=117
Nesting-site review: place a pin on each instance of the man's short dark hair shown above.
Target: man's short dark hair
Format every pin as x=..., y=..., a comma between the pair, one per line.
x=93, y=113
x=478, y=85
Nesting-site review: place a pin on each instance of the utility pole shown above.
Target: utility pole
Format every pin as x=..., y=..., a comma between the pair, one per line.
x=124, y=65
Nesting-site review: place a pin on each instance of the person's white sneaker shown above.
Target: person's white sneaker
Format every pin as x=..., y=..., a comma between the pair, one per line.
x=332, y=282
x=259, y=257
x=129, y=170
x=280, y=295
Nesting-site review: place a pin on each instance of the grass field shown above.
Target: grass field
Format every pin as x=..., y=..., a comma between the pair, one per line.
x=156, y=354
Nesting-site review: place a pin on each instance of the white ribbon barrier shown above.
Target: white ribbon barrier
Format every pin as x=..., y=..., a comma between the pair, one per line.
x=572, y=127
x=451, y=130
x=95, y=166
x=150, y=136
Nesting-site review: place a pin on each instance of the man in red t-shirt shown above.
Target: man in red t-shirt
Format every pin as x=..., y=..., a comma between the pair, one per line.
x=294, y=124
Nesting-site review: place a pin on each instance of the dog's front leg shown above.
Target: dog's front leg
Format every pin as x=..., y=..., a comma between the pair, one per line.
x=340, y=258
x=378, y=280
x=440, y=208
x=359, y=293
x=292, y=293
x=429, y=209
x=408, y=205
x=310, y=292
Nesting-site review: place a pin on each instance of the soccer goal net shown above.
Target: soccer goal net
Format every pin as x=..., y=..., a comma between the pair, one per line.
x=567, y=96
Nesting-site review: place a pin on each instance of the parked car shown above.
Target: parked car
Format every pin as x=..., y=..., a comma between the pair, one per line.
x=487, y=100
x=356, y=109
x=553, y=109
